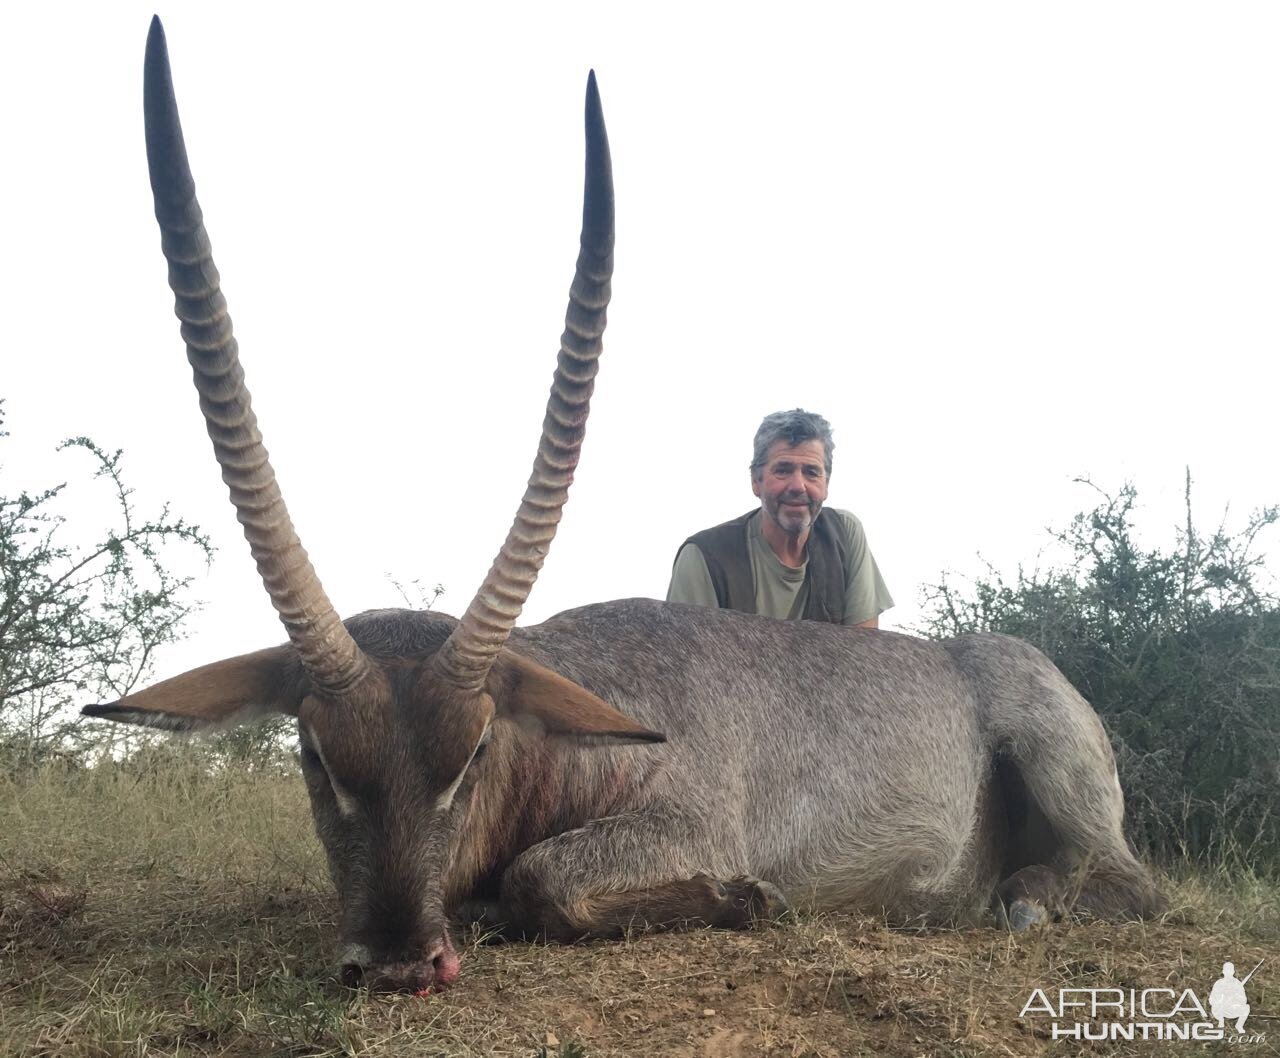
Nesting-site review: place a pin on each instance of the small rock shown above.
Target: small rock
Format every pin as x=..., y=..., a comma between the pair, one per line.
x=553, y=1040
x=708, y=1013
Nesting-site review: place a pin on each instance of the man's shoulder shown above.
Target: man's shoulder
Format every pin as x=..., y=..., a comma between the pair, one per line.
x=723, y=530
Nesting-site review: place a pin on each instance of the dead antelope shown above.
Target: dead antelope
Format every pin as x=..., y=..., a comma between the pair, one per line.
x=471, y=768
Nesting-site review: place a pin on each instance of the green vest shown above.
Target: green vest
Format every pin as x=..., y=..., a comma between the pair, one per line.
x=724, y=548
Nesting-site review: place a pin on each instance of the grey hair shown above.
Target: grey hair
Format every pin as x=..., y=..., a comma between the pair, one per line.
x=795, y=427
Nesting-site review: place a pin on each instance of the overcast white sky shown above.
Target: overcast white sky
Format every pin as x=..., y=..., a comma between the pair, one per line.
x=997, y=245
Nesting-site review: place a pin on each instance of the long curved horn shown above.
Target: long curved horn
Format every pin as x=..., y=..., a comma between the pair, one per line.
x=465, y=658
x=330, y=656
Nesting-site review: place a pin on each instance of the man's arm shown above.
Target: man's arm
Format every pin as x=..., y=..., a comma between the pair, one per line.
x=690, y=581
x=866, y=596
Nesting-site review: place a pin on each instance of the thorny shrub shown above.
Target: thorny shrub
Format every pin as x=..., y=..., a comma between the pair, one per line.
x=81, y=621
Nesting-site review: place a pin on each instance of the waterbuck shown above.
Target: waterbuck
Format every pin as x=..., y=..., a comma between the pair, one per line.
x=627, y=763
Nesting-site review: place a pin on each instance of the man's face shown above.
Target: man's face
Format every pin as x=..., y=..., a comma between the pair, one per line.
x=792, y=485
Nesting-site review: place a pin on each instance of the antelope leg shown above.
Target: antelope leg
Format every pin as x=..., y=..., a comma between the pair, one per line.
x=656, y=869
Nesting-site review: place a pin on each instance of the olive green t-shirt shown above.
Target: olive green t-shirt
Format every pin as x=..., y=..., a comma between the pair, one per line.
x=781, y=591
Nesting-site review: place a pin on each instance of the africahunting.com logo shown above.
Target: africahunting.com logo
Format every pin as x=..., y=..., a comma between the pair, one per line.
x=1148, y=1013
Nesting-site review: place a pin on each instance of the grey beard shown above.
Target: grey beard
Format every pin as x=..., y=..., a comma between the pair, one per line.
x=814, y=508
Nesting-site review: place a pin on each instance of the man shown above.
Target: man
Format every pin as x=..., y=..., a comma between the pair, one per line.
x=1227, y=1000
x=790, y=558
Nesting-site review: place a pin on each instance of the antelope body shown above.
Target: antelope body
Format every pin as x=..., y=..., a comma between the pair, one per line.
x=634, y=762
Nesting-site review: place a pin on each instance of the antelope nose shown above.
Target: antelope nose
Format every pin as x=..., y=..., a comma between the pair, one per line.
x=438, y=968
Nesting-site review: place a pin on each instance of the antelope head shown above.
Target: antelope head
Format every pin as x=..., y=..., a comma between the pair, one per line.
x=393, y=708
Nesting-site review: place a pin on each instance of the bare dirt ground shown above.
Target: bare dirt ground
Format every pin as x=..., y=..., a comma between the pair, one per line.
x=183, y=915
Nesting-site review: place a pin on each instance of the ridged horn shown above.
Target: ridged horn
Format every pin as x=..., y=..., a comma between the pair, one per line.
x=331, y=657
x=466, y=657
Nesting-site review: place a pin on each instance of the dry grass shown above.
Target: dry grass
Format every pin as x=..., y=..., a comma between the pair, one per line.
x=180, y=913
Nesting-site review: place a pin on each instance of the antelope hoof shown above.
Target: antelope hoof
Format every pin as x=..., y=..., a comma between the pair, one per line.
x=753, y=901
x=1023, y=915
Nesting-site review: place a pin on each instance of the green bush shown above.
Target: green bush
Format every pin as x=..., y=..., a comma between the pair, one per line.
x=81, y=616
x=1179, y=652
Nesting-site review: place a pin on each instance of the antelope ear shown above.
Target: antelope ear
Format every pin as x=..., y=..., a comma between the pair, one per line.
x=234, y=691
x=527, y=689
